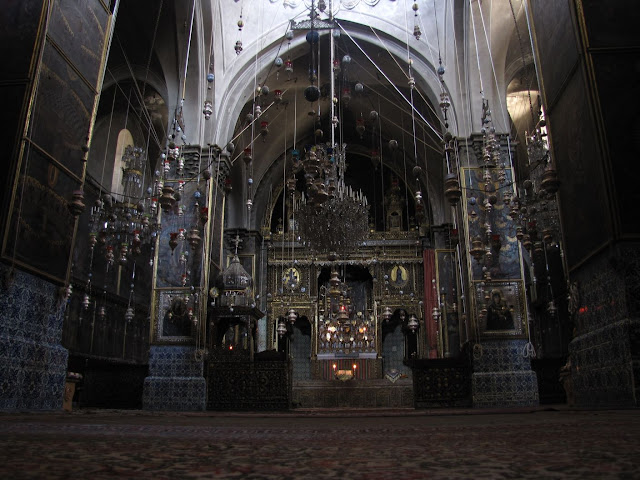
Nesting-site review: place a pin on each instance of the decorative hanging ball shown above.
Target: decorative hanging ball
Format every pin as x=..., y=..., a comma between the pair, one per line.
x=258, y=110
x=289, y=35
x=393, y=145
x=359, y=87
x=230, y=147
x=206, y=174
x=278, y=62
x=312, y=93
x=240, y=24
x=440, y=70
x=312, y=36
x=346, y=59
x=210, y=77
x=417, y=171
x=336, y=33
x=250, y=181
x=264, y=90
x=373, y=116
x=249, y=204
x=415, y=7
x=238, y=47
x=322, y=5
x=277, y=96
x=249, y=117
x=288, y=66
x=319, y=133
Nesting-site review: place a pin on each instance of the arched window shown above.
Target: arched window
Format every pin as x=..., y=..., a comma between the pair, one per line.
x=124, y=140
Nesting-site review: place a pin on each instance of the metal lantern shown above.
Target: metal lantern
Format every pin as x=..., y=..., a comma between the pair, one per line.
x=208, y=110
x=281, y=328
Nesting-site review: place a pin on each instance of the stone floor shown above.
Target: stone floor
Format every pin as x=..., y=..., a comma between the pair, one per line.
x=554, y=443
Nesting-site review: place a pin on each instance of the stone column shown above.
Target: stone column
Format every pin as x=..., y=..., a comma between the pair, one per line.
x=502, y=375
x=590, y=57
x=51, y=79
x=181, y=279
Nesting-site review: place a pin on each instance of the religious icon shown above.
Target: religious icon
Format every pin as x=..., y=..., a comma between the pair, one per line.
x=291, y=278
x=499, y=316
x=399, y=276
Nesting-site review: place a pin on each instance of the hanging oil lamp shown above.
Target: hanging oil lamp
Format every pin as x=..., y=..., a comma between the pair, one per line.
x=173, y=240
x=194, y=238
x=167, y=200
x=452, y=189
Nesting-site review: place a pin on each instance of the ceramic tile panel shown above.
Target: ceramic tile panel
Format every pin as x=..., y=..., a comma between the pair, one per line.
x=174, y=394
x=504, y=389
x=34, y=363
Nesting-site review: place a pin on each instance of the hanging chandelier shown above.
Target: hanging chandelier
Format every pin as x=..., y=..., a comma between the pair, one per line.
x=342, y=329
x=124, y=223
x=332, y=218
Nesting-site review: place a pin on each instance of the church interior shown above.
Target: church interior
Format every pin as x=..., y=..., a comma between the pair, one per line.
x=289, y=205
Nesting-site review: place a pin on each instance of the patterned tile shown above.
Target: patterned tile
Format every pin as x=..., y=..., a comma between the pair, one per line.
x=502, y=355
x=504, y=389
x=603, y=369
x=175, y=380
x=34, y=362
x=174, y=394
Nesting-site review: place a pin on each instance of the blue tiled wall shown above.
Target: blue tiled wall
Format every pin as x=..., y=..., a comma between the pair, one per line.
x=602, y=365
x=503, y=377
x=34, y=364
x=605, y=352
x=175, y=380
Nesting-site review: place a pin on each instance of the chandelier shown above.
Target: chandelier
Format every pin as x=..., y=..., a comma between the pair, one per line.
x=124, y=223
x=342, y=329
x=332, y=217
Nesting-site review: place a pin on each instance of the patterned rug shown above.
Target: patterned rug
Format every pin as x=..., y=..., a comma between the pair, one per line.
x=317, y=445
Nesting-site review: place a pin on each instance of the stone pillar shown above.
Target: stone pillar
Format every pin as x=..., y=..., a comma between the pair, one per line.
x=502, y=375
x=181, y=281
x=178, y=311
x=590, y=57
x=52, y=78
